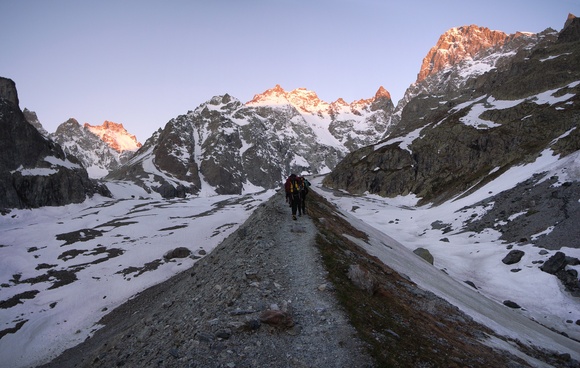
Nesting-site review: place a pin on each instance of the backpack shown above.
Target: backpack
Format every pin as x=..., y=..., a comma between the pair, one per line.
x=303, y=184
x=292, y=185
x=295, y=187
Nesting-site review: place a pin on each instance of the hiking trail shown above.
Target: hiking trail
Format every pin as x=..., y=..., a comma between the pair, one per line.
x=213, y=315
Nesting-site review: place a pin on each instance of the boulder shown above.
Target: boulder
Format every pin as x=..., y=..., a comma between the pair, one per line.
x=556, y=263
x=180, y=252
x=509, y=303
x=514, y=256
x=425, y=254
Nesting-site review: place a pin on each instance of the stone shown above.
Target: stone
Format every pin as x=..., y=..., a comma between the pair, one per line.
x=362, y=278
x=556, y=263
x=514, y=256
x=276, y=318
x=425, y=254
x=179, y=252
x=509, y=303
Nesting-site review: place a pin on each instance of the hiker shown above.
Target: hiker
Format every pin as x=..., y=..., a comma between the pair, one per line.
x=303, y=184
x=292, y=188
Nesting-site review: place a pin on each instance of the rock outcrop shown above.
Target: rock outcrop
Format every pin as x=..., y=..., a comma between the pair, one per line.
x=35, y=171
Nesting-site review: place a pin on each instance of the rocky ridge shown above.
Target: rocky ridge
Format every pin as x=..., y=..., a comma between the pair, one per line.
x=459, y=44
x=447, y=143
x=467, y=53
x=224, y=145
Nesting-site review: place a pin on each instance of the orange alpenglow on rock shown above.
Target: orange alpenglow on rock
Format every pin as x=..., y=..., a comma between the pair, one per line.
x=115, y=135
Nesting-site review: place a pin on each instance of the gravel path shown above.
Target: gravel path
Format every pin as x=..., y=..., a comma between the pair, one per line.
x=259, y=299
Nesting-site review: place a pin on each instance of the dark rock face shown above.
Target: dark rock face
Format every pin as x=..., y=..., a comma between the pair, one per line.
x=8, y=91
x=34, y=171
x=33, y=119
x=571, y=30
x=541, y=204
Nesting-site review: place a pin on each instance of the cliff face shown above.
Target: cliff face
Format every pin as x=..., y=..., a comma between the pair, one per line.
x=459, y=44
x=34, y=171
x=447, y=143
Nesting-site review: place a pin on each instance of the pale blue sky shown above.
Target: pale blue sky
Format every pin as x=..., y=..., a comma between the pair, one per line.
x=142, y=63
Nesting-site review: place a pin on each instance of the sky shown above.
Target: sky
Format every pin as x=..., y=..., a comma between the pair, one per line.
x=142, y=63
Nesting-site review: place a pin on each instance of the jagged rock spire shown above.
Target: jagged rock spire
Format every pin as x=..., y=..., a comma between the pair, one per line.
x=8, y=90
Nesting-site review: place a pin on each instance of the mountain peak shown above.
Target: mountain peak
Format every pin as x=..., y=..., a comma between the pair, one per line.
x=301, y=98
x=115, y=135
x=458, y=44
x=382, y=93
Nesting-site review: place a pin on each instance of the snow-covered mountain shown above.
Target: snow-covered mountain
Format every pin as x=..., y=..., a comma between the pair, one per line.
x=462, y=54
x=100, y=148
x=503, y=124
x=448, y=141
x=227, y=147
x=478, y=170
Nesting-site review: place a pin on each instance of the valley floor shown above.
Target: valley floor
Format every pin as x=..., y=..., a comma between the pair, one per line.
x=303, y=293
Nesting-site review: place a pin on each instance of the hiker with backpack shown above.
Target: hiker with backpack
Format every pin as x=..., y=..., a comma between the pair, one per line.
x=303, y=184
x=292, y=188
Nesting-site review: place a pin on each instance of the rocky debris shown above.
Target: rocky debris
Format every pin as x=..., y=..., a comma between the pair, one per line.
x=556, y=265
x=531, y=207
